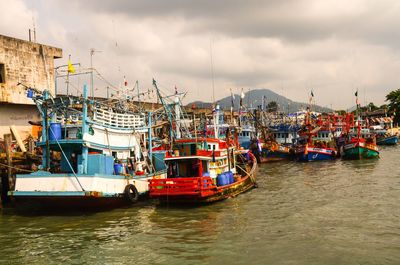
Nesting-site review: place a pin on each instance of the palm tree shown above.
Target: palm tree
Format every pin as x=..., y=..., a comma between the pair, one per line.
x=394, y=104
x=272, y=106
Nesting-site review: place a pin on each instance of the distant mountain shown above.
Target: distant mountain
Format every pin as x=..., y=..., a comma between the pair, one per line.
x=200, y=104
x=253, y=98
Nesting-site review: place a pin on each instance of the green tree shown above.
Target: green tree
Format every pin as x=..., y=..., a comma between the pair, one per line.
x=371, y=107
x=394, y=104
x=272, y=106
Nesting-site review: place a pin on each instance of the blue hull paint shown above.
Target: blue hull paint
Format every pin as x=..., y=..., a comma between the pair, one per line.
x=392, y=140
x=314, y=156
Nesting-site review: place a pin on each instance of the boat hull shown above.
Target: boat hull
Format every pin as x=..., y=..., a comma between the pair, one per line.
x=268, y=155
x=317, y=154
x=359, y=152
x=391, y=140
x=71, y=202
x=218, y=194
x=66, y=191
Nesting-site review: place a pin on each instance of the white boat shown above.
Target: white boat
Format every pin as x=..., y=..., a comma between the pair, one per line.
x=94, y=155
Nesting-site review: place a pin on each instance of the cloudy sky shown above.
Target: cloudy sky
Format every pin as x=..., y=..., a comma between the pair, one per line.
x=288, y=46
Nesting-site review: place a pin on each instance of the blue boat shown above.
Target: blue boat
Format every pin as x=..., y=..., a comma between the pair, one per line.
x=387, y=140
x=320, y=145
x=280, y=143
x=276, y=152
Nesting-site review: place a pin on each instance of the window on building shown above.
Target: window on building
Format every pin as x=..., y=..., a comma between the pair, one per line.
x=2, y=73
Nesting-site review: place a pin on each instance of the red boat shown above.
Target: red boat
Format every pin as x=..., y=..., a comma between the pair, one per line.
x=204, y=170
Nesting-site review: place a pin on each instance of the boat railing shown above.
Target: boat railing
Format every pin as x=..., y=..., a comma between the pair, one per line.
x=200, y=186
x=118, y=120
x=207, y=153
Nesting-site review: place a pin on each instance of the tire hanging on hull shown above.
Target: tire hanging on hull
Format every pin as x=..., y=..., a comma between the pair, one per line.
x=131, y=193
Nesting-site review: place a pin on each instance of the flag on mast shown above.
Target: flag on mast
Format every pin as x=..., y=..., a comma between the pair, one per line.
x=356, y=94
x=232, y=99
x=241, y=98
x=71, y=68
x=311, y=95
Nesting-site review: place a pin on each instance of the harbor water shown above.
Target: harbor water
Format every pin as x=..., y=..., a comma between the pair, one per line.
x=334, y=212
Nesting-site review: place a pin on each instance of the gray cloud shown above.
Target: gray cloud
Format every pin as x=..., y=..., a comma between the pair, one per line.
x=333, y=46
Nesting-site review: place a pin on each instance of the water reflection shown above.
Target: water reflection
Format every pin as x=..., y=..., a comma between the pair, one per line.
x=338, y=212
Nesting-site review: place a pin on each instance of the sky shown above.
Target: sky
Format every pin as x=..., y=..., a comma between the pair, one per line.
x=333, y=47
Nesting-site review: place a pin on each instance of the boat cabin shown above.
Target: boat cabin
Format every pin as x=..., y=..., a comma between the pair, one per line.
x=285, y=137
x=364, y=133
x=246, y=135
x=198, y=158
x=324, y=136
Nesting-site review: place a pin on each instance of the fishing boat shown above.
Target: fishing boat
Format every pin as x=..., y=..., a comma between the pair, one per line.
x=204, y=170
x=360, y=144
x=280, y=143
x=320, y=147
x=383, y=137
x=318, y=135
x=94, y=155
x=387, y=140
x=246, y=135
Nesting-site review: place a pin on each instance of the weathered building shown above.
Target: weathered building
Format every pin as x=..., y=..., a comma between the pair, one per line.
x=23, y=64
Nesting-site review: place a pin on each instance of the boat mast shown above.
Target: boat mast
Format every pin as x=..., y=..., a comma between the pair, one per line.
x=177, y=117
x=167, y=111
x=212, y=74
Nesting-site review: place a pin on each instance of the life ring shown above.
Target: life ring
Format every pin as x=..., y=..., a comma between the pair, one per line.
x=131, y=193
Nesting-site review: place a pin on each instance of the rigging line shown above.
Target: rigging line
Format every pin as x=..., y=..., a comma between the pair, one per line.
x=69, y=164
x=166, y=88
x=105, y=80
x=20, y=169
x=66, y=80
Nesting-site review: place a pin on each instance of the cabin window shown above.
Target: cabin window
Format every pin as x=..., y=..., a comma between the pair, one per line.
x=192, y=149
x=204, y=167
x=2, y=74
x=132, y=153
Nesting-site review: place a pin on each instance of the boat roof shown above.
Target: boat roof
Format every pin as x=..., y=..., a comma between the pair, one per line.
x=200, y=139
x=187, y=157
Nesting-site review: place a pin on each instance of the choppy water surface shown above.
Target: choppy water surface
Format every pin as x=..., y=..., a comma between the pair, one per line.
x=342, y=212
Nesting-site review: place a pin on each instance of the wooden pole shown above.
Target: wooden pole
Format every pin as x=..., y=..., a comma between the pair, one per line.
x=31, y=145
x=7, y=143
x=17, y=137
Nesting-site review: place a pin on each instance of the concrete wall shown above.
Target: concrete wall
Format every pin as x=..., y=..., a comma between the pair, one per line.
x=18, y=115
x=26, y=62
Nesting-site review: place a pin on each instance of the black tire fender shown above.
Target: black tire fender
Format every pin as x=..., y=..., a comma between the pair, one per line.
x=131, y=193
